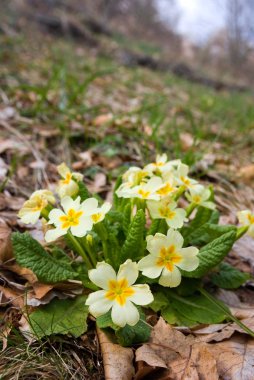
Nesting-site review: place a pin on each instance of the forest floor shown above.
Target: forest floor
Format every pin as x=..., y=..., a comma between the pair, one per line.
x=61, y=101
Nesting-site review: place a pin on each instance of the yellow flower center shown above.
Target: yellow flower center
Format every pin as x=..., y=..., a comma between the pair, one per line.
x=96, y=217
x=165, y=189
x=143, y=193
x=196, y=198
x=119, y=291
x=158, y=164
x=71, y=219
x=165, y=212
x=185, y=180
x=168, y=258
x=39, y=204
x=139, y=177
x=67, y=179
x=251, y=218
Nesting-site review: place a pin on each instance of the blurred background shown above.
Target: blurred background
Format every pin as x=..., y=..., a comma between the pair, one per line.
x=216, y=36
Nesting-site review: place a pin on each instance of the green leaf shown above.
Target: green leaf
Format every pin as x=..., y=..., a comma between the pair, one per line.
x=170, y=316
x=229, y=277
x=188, y=286
x=105, y=321
x=30, y=254
x=83, y=191
x=134, y=244
x=160, y=302
x=154, y=227
x=126, y=218
x=206, y=233
x=212, y=254
x=129, y=335
x=203, y=215
x=196, y=309
x=116, y=200
x=60, y=317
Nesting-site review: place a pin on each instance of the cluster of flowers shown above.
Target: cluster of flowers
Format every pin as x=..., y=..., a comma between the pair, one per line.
x=158, y=187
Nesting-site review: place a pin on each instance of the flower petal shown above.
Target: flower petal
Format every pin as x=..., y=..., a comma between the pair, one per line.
x=63, y=169
x=190, y=260
x=54, y=216
x=98, y=304
x=127, y=314
x=54, y=234
x=178, y=219
x=30, y=217
x=68, y=203
x=148, y=266
x=89, y=205
x=128, y=270
x=142, y=295
x=174, y=237
x=171, y=279
x=102, y=274
x=156, y=242
x=85, y=225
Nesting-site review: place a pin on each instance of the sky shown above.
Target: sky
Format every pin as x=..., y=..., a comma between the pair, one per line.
x=199, y=19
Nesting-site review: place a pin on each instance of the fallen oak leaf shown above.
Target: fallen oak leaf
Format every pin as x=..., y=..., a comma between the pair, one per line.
x=117, y=360
x=9, y=296
x=184, y=357
x=235, y=358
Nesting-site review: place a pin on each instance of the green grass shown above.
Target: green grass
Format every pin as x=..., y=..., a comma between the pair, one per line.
x=61, y=84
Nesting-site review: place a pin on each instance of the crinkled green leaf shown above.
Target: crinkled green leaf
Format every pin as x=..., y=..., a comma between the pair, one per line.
x=134, y=244
x=129, y=335
x=30, y=254
x=212, y=254
x=83, y=191
x=203, y=215
x=206, y=233
x=126, y=218
x=229, y=277
x=60, y=317
x=105, y=321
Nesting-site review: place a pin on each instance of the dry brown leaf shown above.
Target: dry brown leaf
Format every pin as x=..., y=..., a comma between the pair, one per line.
x=235, y=358
x=5, y=243
x=184, y=357
x=244, y=249
x=186, y=141
x=102, y=119
x=247, y=173
x=99, y=183
x=10, y=296
x=117, y=360
x=41, y=290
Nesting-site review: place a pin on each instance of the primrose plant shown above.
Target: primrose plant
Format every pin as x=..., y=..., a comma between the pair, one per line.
x=155, y=250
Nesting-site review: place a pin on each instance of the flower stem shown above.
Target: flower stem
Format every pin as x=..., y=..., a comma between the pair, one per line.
x=190, y=208
x=101, y=230
x=227, y=312
x=180, y=191
x=241, y=231
x=75, y=243
x=85, y=246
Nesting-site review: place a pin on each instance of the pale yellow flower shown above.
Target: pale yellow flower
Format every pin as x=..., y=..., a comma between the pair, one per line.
x=31, y=209
x=67, y=186
x=246, y=218
x=167, y=209
x=166, y=257
x=118, y=294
